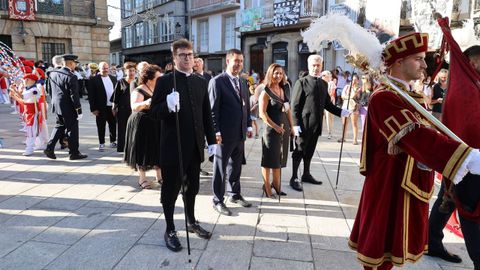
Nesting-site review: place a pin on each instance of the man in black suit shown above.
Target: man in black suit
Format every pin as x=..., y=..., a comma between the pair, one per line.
x=190, y=102
x=100, y=91
x=310, y=98
x=66, y=105
x=198, y=68
x=229, y=98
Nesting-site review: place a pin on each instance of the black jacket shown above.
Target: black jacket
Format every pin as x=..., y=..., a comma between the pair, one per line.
x=63, y=85
x=97, y=97
x=195, y=118
x=310, y=97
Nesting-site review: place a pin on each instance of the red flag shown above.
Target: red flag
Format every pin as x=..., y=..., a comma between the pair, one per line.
x=460, y=112
x=461, y=115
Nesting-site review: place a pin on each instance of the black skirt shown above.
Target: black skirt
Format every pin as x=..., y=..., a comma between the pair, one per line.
x=142, y=141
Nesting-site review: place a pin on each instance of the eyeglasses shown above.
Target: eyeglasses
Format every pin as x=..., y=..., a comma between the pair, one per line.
x=185, y=55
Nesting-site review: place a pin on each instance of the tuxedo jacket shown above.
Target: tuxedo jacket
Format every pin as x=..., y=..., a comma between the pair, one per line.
x=97, y=97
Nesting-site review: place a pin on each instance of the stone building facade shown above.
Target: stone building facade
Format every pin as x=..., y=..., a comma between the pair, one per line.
x=60, y=26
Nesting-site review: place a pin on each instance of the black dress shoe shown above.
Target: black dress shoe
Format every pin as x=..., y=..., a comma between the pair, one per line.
x=296, y=184
x=309, y=179
x=238, y=199
x=198, y=230
x=49, y=154
x=222, y=209
x=445, y=255
x=77, y=156
x=172, y=242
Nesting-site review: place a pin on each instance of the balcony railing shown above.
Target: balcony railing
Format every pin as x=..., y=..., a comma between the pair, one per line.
x=207, y=3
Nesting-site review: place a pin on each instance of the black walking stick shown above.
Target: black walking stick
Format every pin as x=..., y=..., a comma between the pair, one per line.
x=180, y=165
x=343, y=132
x=281, y=158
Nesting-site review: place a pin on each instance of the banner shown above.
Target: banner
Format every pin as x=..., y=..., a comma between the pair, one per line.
x=286, y=13
x=21, y=10
x=251, y=19
x=383, y=18
x=423, y=20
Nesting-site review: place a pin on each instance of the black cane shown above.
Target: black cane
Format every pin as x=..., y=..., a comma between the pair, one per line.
x=180, y=165
x=343, y=131
x=281, y=159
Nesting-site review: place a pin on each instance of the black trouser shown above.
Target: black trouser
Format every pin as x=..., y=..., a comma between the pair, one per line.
x=304, y=149
x=227, y=166
x=438, y=220
x=122, y=119
x=70, y=124
x=102, y=118
x=171, y=187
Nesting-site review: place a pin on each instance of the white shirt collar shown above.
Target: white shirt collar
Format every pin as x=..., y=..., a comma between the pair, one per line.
x=406, y=85
x=231, y=75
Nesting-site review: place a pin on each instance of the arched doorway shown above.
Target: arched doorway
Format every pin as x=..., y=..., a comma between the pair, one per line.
x=256, y=58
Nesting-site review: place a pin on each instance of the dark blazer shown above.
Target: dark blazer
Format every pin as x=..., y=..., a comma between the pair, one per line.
x=309, y=99
x=206, y=76
x=63, y=85
x=97, y=97
x=195, y=117
x=231, y=116
x=121, y=96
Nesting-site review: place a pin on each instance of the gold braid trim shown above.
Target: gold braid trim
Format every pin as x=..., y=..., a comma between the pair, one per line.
x=393, y=149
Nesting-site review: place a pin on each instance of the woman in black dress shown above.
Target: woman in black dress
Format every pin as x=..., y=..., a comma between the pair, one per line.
x=142, y=150
x=121, y=103
x=275, y=113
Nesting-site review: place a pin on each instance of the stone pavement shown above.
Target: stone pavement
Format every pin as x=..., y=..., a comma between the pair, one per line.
x=91, y=214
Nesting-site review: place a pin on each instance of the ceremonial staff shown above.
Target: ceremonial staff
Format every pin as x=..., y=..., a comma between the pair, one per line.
x=180, y=165
x=343, y=132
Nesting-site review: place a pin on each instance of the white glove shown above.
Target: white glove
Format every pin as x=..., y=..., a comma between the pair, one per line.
x=345, y=113
x=173, y=102
x=473, y=164
x=297, y=130
x=286, y=106
x=80, y=116
x=212, y=149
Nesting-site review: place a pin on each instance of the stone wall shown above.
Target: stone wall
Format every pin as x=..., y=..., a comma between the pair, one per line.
x=85, y=35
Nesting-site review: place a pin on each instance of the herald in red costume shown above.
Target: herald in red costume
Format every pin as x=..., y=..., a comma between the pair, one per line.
x=400, y=151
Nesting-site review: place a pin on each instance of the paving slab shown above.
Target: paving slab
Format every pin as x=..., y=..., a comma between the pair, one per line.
x=91, y=214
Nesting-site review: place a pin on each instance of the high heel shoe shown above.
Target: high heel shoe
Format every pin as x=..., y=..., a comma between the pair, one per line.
x=281, y=192
x=272, y=196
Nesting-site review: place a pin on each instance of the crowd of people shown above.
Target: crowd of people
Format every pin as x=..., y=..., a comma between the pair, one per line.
x=164, y=119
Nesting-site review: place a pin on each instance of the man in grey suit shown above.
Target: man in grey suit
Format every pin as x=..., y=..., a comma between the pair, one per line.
x=229, y=99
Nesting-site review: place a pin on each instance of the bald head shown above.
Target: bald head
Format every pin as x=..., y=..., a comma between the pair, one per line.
x=104, y=69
